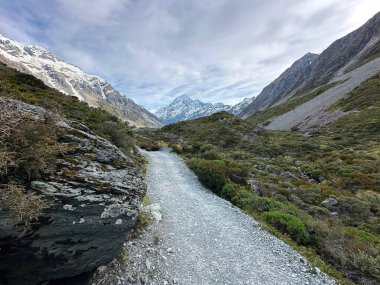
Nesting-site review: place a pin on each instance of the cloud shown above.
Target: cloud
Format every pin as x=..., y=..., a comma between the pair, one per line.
x=153, y=51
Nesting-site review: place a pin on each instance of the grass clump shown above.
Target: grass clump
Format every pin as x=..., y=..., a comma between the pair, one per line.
x=122, y=257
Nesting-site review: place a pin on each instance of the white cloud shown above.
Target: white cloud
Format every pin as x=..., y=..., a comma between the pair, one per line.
x=217, y=51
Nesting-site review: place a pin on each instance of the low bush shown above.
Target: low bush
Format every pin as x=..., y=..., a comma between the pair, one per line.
x=266, y=204
x=367, y=264
x=119, y=134
x=236, y=172
x=238, y=195
x=289, y=224
x=147, y=143
x=24, y=208
x=211, y=155
x=34, y=147
x=212, y=173
x=355, y=211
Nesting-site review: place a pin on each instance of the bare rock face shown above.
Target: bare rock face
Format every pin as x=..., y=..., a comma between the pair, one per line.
x=96, y=192
x=291, y=78
x=314, y=70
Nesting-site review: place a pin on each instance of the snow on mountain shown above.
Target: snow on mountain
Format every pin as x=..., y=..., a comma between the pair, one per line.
x=71, y=80
x=183, y=108
x=236, y=109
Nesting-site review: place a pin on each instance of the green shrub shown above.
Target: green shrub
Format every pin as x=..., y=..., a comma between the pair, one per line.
x=289, y=224
x=212, y=173
x=119, y=134
x=237, y=195
x=312, y=196
x=266, y=204
x=236, y=172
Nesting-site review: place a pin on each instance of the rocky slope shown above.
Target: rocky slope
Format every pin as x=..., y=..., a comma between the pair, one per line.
x=315, y=113
x=294, y=76
x=312, y=70
x=95, y=191
x=183, y=108
x=71, y=80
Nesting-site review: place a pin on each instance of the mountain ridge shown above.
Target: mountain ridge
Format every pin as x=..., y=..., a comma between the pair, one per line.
x=293, y=76
x=71, y=80
x=342, y=56
x=183, y=108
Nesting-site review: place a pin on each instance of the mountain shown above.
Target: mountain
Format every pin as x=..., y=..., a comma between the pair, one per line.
x=312, y=71
x=292, y=77
x=71, y=80
x=183, y=108
x=239, y=107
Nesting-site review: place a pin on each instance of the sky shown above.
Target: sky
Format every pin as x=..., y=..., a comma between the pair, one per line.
x=156, y=50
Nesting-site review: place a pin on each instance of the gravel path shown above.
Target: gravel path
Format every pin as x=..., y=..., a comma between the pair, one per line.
x=205, y=240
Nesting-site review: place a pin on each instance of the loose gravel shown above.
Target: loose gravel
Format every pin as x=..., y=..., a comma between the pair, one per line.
x=203, y=239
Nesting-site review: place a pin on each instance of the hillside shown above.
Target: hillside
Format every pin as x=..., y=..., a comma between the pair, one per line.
x=289, y=80
x=71, y=182
x=326, y=180
x=312, y=109
x=73, y=81
x=312, y=71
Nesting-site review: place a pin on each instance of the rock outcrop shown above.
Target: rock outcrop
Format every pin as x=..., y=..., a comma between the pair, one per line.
x=95, y=192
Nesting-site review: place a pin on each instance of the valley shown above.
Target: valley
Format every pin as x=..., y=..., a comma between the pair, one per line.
x=279, y=188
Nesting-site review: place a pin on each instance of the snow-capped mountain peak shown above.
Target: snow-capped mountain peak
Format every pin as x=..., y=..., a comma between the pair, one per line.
x=184, y=108
x=71, y=80
x=236, y=109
